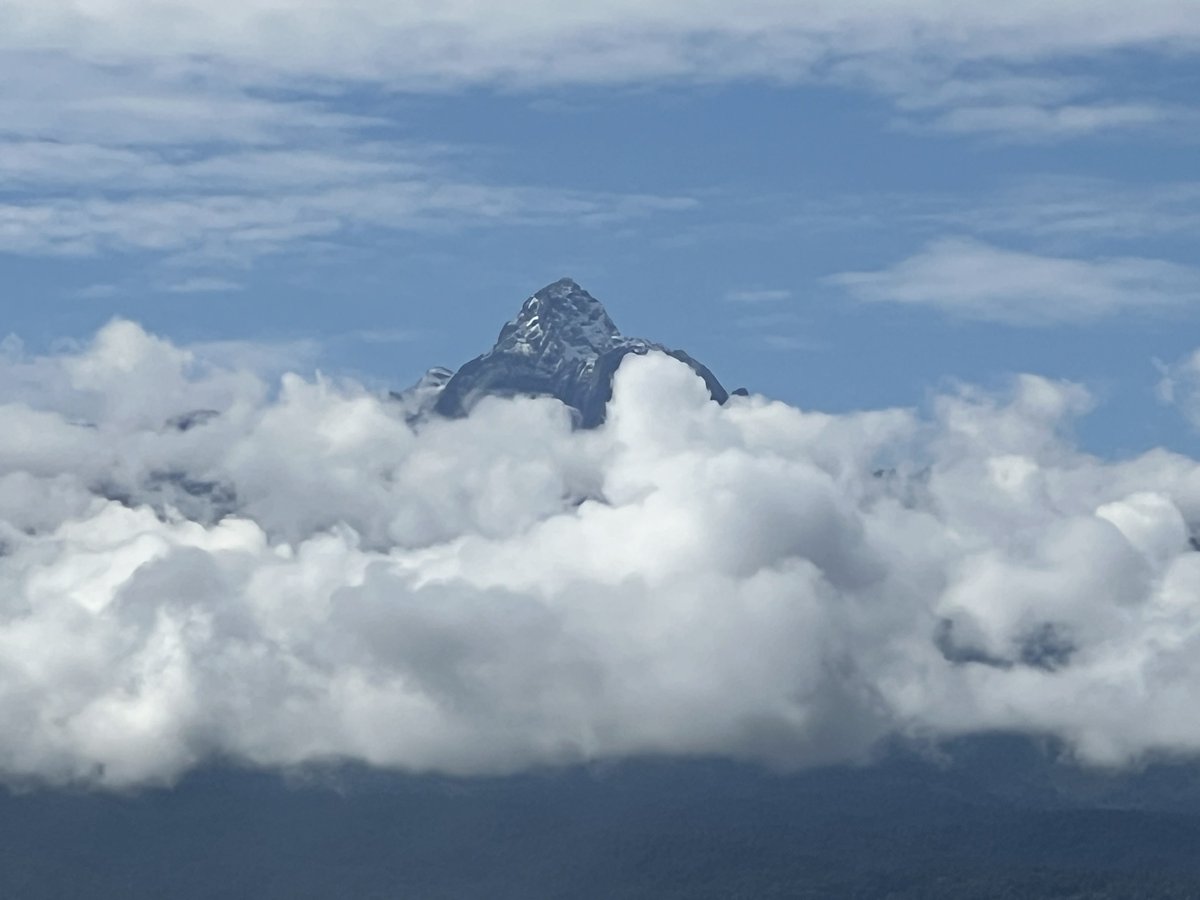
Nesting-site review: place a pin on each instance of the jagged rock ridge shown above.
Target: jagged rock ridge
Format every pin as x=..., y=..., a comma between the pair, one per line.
x=562, y=344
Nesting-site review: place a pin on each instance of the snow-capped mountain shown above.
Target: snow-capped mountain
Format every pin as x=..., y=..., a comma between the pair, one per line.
x=561, y=344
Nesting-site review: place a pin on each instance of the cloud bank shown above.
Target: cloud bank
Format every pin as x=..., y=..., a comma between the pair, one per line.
x=198, y=564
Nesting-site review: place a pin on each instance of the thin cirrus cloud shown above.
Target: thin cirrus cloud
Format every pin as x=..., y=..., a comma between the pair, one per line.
x=544, y=42
x=1027, y=122
x=1013, y=103
x=227, y=226
x=758, y=295
x=1074, y=209
x=301, y=573
x=236, y=177
x=970, y=279
x=959, y=67
x=156, y=72
x=223, y=132
x=204, y=285
x=1073, y=212
x=151, y=159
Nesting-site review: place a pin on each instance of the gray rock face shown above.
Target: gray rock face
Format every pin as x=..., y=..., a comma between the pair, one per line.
x=562, y=344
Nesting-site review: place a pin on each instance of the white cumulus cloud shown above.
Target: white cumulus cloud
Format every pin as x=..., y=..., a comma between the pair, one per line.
x=199, y=564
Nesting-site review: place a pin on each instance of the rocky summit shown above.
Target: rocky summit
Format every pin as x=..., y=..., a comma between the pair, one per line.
x=561, y=344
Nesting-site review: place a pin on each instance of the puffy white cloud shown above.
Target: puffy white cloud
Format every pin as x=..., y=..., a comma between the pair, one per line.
x=302, y=575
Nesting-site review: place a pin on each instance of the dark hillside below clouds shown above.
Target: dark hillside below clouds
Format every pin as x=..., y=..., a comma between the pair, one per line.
x=994, y=818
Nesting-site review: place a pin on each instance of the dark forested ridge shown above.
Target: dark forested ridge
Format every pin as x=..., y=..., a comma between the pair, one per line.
x=996, y=818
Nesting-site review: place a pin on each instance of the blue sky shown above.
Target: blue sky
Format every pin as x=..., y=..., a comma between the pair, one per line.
x=841, y=205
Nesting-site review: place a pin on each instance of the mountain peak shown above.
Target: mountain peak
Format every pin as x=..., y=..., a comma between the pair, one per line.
x=561, y=344
x=561, y=318
x=566, y=283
